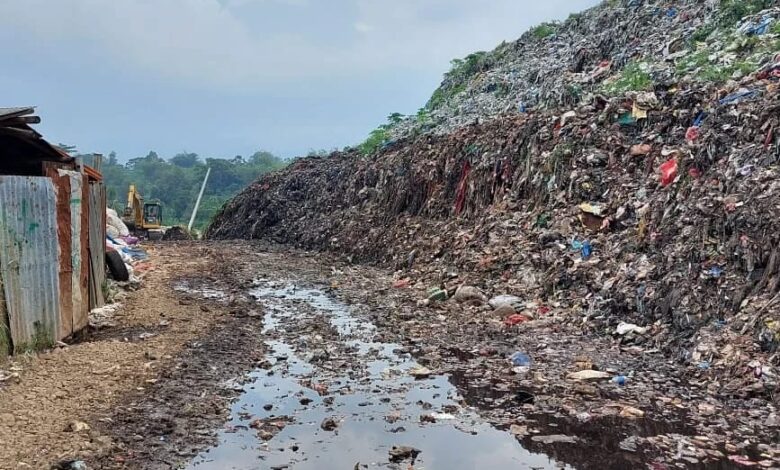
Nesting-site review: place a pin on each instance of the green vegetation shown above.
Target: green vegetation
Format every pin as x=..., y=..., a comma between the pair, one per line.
x=544, y=30
x=456, y=79
x=5, y=338
x=633, y=77
x=463, y=69
x=711, y=64
x=731, y=11
x=41, y=340
x=176, y=182
x=379, y=136
x=703, y=32
x=376, y=139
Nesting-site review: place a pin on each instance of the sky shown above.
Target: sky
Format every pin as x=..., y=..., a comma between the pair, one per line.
x=229, y=77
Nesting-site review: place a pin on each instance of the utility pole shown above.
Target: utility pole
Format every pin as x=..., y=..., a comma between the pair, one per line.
x=200, y=196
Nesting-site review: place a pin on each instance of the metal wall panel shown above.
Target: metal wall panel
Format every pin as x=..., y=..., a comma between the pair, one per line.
x=29, y=259
x=79, y=303
x=64, y=232
x=97, y=244
x=5, y=334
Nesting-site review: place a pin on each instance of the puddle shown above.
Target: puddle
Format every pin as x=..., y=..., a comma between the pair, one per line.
x=326, y=364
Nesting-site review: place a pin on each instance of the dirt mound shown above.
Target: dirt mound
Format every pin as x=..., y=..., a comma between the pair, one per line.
x=177, y=234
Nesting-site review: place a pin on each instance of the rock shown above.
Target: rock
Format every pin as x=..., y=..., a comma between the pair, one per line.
x=588, y=375
x=78, y=426
x=401, y=453
x=519, y=431
x=329, y=424
x=504, y=311
x=420, y=372
x=69, y=465
x=468, y=294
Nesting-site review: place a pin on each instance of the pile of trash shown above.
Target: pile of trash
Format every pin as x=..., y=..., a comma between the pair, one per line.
x=644, y=213
x=124, y=256
x=605, y=50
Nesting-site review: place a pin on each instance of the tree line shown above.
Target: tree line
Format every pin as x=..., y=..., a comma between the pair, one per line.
x=175, y=182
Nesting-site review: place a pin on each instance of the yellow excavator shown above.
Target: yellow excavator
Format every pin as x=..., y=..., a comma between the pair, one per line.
x=143, y=218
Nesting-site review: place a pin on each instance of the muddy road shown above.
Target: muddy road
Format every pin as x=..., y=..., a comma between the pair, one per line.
x=241, y=356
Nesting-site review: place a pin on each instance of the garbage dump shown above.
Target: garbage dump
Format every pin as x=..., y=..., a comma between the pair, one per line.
x=619, y=169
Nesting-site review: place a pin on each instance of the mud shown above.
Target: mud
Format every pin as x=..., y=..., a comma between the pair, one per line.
x=307, y=362
x=330, y=366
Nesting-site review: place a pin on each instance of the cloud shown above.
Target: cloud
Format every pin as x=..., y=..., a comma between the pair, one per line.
x=215, y=43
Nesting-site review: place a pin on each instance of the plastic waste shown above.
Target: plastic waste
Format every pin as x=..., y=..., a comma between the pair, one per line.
x=516, y=319
x=503, y=300
x=668, y=172
x=620, y=379
x=742, y=94
x=469, y=293
x=692, y=134
x=625, y=328
x=751, y=28
x=520, y=359
x=587, y=250
x=715, y=272
x=437, y=295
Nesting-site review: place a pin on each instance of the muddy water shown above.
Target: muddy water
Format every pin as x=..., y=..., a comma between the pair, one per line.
x=325, y=363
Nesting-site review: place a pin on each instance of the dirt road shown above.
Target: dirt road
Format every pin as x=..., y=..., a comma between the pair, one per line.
x=243, y=356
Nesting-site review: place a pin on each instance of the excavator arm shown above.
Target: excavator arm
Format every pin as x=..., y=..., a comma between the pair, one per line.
x=134, y=210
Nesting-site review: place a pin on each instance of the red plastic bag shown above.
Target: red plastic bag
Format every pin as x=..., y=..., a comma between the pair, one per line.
x=668, y=172
x=515, y=319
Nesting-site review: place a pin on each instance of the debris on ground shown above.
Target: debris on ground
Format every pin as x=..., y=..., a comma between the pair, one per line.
x=601, y=187
x=177, y=233
x=401, y=453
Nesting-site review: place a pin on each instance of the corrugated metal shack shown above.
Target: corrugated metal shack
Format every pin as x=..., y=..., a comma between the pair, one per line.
x=52, y=237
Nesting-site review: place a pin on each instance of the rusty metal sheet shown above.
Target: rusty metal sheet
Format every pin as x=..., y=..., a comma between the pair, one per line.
x=82, y=320
x=64, y=233
x=29, y=260
x=97, y=244
x=79, y=303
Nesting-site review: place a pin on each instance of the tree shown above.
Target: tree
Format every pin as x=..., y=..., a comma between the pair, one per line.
x=185, y=160
x=176, y=182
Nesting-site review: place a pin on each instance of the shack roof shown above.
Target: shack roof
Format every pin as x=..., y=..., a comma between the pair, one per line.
x=23, y=150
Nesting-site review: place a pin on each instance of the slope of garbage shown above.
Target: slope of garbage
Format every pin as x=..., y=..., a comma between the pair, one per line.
x=606, y=50
x=645, y=211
